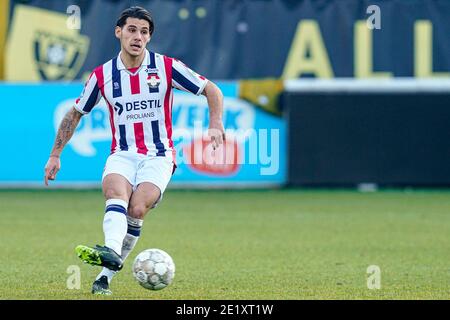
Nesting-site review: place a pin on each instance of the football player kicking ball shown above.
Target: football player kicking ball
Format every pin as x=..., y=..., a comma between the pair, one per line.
x=137, y=87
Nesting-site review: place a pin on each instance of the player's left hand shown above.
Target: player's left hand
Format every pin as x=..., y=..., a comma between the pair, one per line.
x=216, y=132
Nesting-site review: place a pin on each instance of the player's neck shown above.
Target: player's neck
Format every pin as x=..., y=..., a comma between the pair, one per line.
x=130, y=61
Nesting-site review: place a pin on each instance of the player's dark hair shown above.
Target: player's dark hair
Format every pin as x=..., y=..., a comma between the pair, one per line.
x=138, y=13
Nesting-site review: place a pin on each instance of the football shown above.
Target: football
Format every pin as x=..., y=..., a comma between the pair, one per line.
x=153, y=269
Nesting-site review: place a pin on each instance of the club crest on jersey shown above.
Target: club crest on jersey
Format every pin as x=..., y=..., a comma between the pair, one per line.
x=153, y=80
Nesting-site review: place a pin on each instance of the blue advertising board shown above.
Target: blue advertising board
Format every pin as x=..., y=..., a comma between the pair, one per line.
x=253, y=155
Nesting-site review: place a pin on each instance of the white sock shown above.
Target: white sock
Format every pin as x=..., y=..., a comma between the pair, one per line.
x=115, y=224
x=129, y=242
x=106, y=272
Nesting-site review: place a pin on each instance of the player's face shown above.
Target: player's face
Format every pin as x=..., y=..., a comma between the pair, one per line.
x=134, y=36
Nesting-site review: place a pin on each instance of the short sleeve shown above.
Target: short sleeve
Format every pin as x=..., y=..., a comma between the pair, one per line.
x=187, y=80
x=90, y=95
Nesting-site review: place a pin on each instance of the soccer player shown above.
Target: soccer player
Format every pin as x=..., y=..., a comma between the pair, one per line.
x=137, y=87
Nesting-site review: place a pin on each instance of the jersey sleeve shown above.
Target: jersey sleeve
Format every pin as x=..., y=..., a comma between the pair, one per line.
x=187, y=80
x=90, y=95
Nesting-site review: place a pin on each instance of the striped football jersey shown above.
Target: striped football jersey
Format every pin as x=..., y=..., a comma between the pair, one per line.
x=140, y=101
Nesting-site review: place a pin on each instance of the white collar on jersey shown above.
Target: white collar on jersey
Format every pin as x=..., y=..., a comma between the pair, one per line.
x=145, y=62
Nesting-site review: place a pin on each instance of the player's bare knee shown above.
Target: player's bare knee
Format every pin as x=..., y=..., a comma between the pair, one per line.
x=138, y=211
x=111, y=193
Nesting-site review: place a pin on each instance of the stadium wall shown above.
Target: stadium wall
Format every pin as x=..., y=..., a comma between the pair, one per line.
x=386, y=133
x=239, y=39
x=4, y=18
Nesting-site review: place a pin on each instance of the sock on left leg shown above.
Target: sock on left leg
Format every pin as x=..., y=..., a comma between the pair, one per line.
x=133, y=234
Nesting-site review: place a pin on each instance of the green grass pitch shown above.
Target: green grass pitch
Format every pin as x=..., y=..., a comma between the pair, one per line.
x=272, y=244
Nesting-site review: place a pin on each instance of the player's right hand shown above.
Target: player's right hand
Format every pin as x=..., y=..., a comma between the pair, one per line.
x=51, y=169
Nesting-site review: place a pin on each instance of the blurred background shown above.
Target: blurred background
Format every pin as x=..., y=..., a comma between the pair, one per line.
x=318, y=92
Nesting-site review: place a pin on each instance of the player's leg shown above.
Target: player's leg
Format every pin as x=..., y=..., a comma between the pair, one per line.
x=117, y=191
x=117, y=184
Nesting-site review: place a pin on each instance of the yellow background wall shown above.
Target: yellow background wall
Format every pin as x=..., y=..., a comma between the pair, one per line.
x=4, y=14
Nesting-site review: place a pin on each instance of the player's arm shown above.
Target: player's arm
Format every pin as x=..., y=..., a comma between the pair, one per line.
x=215, y=102
x=83, y=105
x=65, y=132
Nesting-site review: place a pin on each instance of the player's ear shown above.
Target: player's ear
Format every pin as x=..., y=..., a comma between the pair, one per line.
x=118, y=32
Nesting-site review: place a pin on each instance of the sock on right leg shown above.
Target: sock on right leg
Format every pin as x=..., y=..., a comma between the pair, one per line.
x=129, y=242
x=115, y=224
x=106, y=272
